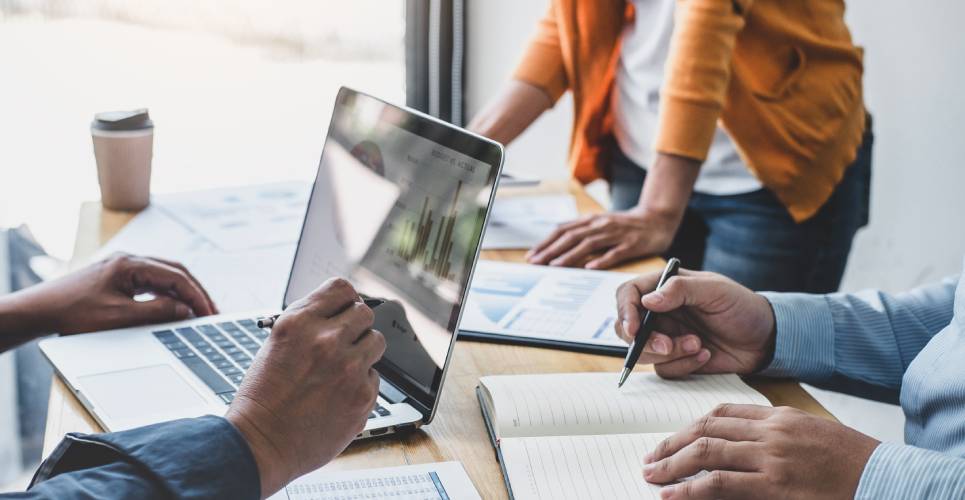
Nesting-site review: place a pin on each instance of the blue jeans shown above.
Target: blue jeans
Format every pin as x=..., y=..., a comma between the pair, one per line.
x=752, y=238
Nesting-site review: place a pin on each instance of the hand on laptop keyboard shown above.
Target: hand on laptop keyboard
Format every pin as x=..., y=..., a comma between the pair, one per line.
x=101, y=296
x=311, y=387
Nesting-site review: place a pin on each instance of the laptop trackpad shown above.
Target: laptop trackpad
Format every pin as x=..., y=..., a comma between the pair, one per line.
x=140, y=396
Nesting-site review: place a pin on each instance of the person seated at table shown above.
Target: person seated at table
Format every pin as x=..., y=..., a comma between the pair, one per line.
x=733, y=134
x=307, y=395
x=909, y=346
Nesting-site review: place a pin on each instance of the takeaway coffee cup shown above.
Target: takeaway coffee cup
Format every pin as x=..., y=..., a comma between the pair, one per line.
x=123, y=146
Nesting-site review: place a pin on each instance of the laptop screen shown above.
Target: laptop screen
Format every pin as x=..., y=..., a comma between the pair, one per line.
x=398, y=208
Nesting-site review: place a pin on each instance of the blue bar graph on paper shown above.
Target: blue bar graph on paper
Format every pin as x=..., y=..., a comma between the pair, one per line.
x=439, y=488
x=603, y=328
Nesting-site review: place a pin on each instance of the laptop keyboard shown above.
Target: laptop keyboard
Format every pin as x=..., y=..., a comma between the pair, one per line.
x=220, y=354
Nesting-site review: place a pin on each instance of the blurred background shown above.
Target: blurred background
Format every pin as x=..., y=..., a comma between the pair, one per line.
x=913, y=81
x=240, y=92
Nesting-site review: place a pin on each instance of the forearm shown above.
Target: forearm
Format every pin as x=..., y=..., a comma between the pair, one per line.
x=670, y=182
x=21, y=320
x=901, y=471
x=204, y=457
x=511, y=112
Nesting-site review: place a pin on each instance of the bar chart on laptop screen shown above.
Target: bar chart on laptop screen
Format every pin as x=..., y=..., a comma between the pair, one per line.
x=429, y=238
x=427, y=241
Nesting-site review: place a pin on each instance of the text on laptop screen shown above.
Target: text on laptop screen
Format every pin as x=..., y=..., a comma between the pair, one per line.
x=399, y=213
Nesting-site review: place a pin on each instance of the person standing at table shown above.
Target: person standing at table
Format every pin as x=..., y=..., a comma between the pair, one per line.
x=733, y=134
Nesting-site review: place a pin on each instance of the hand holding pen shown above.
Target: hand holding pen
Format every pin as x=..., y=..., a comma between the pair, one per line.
x=269, y=321
x=646, y=327
x=703, y=323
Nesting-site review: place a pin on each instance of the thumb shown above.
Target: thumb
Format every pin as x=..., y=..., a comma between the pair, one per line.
x=159, y=310
x=677, y=292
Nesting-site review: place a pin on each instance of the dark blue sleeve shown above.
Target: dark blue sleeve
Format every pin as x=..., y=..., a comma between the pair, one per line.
x=203, y=457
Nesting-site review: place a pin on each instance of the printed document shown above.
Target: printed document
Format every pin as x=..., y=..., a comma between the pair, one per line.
x=241, y=218
x=436, y=481
x=522, y=300
x=239, y=276
x=519, y=222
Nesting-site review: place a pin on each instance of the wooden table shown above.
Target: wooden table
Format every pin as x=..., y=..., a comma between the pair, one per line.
x=458, y=432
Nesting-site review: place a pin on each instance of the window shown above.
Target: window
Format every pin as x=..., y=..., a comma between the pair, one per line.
x=240, y=91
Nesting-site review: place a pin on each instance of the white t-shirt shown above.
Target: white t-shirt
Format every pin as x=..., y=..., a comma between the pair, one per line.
x=639, y=76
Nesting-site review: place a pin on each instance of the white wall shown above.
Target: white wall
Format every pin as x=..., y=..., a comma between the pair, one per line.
x=497, y=32
x=914, y=83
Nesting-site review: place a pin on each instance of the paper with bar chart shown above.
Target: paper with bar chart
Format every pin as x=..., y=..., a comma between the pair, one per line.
x=433, y=481
x=521, y=300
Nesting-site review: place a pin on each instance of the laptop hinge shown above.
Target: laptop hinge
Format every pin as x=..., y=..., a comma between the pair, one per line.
x=390, y=393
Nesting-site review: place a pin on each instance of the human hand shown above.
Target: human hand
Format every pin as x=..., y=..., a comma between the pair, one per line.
x=709, y=324
x=601, y=241
x=760, y=452
x=101, y=297
x=312, y=385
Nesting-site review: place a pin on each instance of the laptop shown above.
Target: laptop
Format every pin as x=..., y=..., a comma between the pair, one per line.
x=399, y=205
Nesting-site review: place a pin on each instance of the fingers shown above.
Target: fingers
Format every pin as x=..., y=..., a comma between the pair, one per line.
x=354, y=323
x=555, y=235
x=708, y=426
x=685, y=289
x=675, y=357
x=161, y=309
x=162, y=279
x=612, y=257
x=563, y=247
x=329, y=299
x=725, y=442
x=672, y=348
x=587, y=246
x=178, y=265
x=682, y=367
x=717, y=484
x=750, y=412
x=629, y=297
x=661, y=348
x=371, y=347
x=628, y=311
x=705, y=453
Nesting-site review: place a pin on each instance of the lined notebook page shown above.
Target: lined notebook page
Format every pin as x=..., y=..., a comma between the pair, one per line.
x=590, y=403
x=579, y=467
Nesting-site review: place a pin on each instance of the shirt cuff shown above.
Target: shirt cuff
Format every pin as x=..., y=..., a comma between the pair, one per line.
x=902, y=471
x=202, y=457
x=804, y=347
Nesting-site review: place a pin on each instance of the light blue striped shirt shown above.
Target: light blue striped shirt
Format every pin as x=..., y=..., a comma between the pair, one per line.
x=909, y=348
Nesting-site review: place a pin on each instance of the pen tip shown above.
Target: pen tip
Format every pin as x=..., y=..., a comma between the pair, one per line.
x=623, y=377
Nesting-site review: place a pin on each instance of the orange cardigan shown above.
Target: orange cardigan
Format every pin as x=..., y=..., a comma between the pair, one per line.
x=783, y=78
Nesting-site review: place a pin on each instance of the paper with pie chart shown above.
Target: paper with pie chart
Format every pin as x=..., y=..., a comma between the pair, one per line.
x=521, y=300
